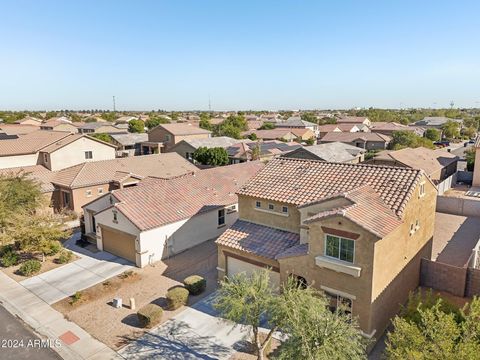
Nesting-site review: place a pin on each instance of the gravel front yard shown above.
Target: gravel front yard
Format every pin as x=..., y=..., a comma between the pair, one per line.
x=116, y=327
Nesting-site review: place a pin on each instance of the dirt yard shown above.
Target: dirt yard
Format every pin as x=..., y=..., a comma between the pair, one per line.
x=116, y=327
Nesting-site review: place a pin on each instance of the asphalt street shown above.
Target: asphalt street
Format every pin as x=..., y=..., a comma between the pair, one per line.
x=18, y=342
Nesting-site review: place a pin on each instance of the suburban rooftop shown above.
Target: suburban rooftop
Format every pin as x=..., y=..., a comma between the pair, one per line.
x=183, y=129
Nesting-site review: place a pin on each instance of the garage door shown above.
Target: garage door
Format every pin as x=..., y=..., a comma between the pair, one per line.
x=236, y=266
x=119, y=243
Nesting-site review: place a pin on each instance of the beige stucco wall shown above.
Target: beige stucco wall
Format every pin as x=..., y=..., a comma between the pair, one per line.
x=182, y=148
x=158, y=134
x=80, y=197
x=476, y=172
x=74, y=153
x=18, y=160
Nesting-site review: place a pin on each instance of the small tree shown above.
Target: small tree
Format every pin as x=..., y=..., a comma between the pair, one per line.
x=432, y=134
x=154, y=121
x=248, y=300
x=267, y=126
x=470, y=158
x=136, y=126
x=102, y=136
x=451, y=129
x=211, y=156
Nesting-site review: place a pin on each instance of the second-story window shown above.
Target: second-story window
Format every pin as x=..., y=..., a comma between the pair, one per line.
x=258, y=204
x=115, y=217
x=45, y=157
x=88, y=155
x=422, y=190
x=167, y=137
x=340, y=248
x=221, y=217
x=285, y=209
x=271, y=207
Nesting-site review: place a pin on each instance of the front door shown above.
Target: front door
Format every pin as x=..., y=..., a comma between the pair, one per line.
x=94, y=225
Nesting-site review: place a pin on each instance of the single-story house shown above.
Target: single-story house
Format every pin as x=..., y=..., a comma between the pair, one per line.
x=296, y=122
x=368, y=140
x=12, y=130
x=29, y=120
x=187, y=147
x=99, y=128
x=158, y=219
x=387, y=128
x=325, y=129
x=354, y=120
x=259, y=150
x=332, y=152
x=436, y=122
x=287, y=134
x=77, y=185
x=60, y=124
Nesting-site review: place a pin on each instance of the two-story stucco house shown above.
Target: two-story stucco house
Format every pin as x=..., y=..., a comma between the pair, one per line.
x=357, y=232
x=167, y=135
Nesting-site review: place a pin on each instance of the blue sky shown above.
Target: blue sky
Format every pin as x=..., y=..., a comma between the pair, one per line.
x=242, y=54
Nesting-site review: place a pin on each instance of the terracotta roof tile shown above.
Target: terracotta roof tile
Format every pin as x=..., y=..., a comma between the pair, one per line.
x=350, y=137
x=30, y=143
x=183, y=129
x=257, y=239
x=296, y=250
x=37, y=172
x=299, y=181
x=157, y=202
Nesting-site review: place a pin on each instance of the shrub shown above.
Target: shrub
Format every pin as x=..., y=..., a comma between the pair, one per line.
x=195, y=284
x=7, y=249
x=149, y=315
x=65, y=257
x=126, y=274
x=76, y=297
x=177, y=297
x=54, y=248
x=9, y=258
x=30, y=267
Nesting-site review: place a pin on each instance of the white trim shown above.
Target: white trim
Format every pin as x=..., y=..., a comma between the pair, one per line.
x=271, y=212
x=338, y=265
x=220, y=269
x=339, y=248
x=338, y=292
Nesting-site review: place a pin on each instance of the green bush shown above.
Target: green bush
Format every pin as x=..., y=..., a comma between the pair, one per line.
x=149, y=315
x=76, y=297
x=54, y=248
x=30, y=267
x=9, y=258
x=177, y=297
x=65, y=257
x=195, y=284
x=7, y=249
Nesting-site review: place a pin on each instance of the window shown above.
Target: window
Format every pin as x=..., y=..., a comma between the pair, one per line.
x=417, y=225
x=88, y=155
x=271, y=207
x=258, y=204
x=88, y=193
x=221, y=217
x=45, y=157
x=100, y=191
x=231, y=209
x=111, y=200
x=115, y=217
x=422, y=190
x=285, y=209
x=339, y=303
x=168, y=137
x=340, y=248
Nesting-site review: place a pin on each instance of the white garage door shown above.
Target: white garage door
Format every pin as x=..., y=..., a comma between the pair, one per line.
x=235, y=266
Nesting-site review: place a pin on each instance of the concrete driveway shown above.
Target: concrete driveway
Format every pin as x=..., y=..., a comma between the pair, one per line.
x=195, y=333
x=89, y=270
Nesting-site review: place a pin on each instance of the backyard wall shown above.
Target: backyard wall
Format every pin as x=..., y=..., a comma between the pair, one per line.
x=458, y=206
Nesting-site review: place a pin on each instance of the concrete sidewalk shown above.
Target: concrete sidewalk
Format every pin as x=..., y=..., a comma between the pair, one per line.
x=89, y=270
x=75, y=342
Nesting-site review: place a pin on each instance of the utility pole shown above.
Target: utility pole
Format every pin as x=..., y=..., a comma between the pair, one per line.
x=114, y=103
x=451, y=104
x=209, y=104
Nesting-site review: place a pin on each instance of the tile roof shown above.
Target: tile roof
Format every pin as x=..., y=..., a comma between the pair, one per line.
x=219, y=141
x=183, y=129
x=130, y=139
x=101, y=172
x=270, y=134
x=30, y=143
x=68, y=140
x=367, y=209
x=333, y=127
x=350, y=137
x=18, y=129
x=332, y=152
x=257, y=239
x=160, y=202
x=436, y=121
x=295, y=121
x=295, y=250
x=352, y=119
x=299, y=181
x=244, y=150
x=37, y=172
x=428, y=160
x=96, y=125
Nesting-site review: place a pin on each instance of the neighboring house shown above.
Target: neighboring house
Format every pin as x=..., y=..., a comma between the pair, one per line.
x=332, y=152
x=12, y=130
x=438, y=164
x=325, y=129
x=99, y=128
x=53, y=149
x=387, y=128
x=476, y=169
x=254, y=124
x=296, y=122
x=287, y=134
x=128, y=144
x=368, y=141
x=357, y=232
x=77, y=185
x=60, y=124
x=168, y=135
x=436, y=122
x=259, y=150
x=29, y=120
x=158, y=219
x=187, y=147
x=126, y=119
x=358, y=120
x=270, y=117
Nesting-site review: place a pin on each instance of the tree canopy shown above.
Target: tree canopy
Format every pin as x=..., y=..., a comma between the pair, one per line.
x=403, y=139
x=233, y=126
x=217, y=156
x=451, y=129
x=102, y=136
x=432, y=134
x=154, y=121
x=136, y=126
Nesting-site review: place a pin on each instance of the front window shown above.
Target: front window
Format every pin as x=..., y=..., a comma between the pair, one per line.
x=167, y=137
x=88, y=193
x=285, y=209
x=258, y=204
x=339, y=303
x=340, y=248
x=221, y=217
x=88, y=155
